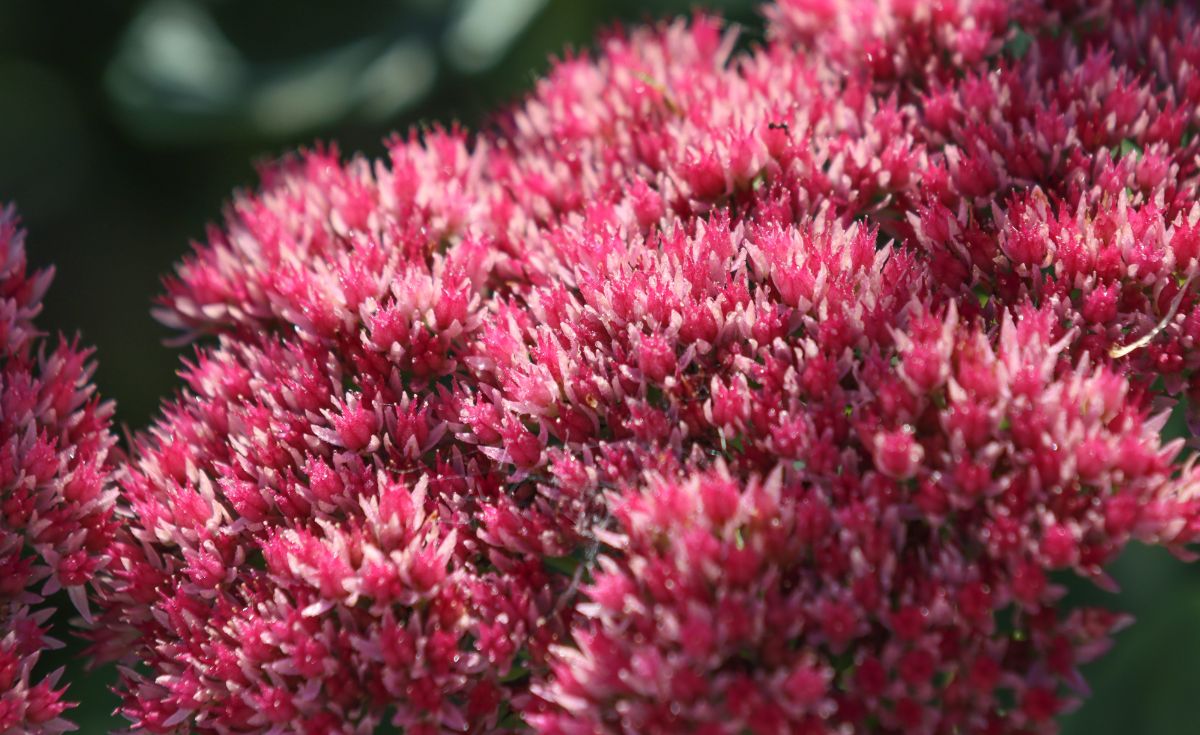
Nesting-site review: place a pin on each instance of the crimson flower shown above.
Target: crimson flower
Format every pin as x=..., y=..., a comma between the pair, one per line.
x=56, y=494
x=708, y=391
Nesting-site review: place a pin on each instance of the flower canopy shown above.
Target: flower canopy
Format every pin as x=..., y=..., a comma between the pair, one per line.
x=720, y=386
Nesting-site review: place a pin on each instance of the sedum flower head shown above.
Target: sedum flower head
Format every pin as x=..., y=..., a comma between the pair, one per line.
x=56, y=497
x=711, y=390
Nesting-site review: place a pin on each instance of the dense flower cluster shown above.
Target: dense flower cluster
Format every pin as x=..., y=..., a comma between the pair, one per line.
x=899, y=585
x=711, y=391
x=56, y=495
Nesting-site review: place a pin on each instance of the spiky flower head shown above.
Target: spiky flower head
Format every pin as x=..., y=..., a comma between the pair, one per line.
x=56, y=494
x=712, y=390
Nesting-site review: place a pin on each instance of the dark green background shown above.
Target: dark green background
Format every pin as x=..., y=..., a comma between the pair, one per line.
x=115, y=171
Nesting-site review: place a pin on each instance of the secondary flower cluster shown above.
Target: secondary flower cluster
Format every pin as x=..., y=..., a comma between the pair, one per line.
x=709, y=391
x=56, y=495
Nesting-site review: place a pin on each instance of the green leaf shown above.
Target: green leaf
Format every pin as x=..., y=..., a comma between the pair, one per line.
x=1129, y=147
x=1019, y=44
x=564, y=565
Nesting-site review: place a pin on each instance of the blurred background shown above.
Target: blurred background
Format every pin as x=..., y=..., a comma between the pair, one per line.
x=125, y=126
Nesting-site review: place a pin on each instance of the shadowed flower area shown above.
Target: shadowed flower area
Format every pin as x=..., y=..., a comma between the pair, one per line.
x=56, y=493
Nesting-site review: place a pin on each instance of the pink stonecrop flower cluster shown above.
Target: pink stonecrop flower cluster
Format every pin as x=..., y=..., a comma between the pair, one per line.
x=718, y=387
x=56, y=494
